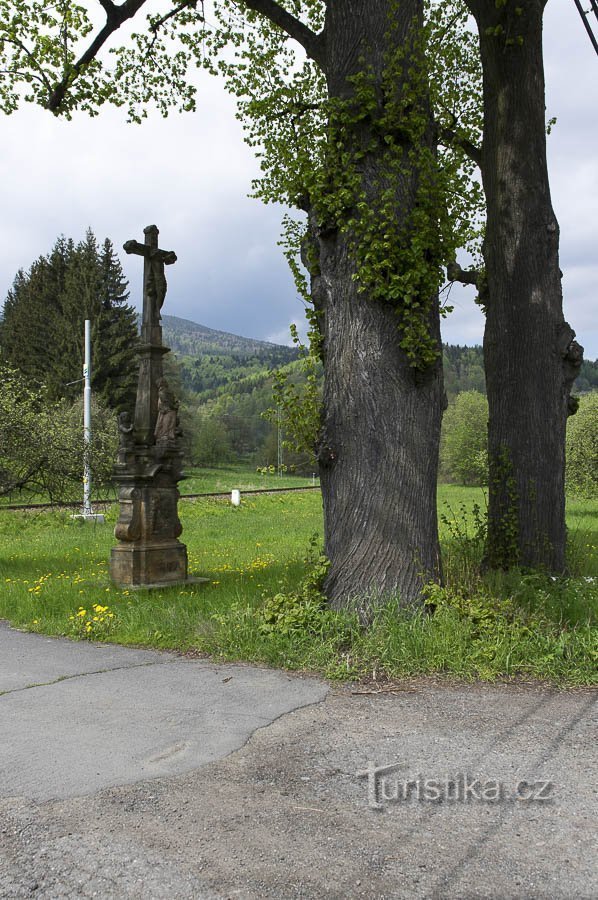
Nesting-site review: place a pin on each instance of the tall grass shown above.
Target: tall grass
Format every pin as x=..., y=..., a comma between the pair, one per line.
x=53, y=569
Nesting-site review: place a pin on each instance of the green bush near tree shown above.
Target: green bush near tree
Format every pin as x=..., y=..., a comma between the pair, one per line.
x=41, y=443
x=581, y=470
x=464, y=441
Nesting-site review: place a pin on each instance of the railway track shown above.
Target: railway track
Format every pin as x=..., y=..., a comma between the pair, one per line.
x=216, y=495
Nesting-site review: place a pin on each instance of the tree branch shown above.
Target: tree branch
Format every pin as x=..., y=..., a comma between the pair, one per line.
x=173, y=12
x=115, y=17
x=454, y=272
x=39, y=77
x=313, y=44
x=449, y=138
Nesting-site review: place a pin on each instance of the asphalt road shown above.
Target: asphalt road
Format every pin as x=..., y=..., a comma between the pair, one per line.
x=136, y=774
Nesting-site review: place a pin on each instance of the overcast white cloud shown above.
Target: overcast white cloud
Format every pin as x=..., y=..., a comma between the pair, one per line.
x=190, y=175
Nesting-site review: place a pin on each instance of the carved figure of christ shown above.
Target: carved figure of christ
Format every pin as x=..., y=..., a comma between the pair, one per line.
x=154, y=280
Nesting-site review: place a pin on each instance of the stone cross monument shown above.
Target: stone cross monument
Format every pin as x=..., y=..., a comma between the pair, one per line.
x=149, y=463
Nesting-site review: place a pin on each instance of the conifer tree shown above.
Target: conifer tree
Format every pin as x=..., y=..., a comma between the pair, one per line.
x=41, y=333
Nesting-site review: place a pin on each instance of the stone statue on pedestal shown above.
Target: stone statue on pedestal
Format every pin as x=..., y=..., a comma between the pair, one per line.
x=149, y=462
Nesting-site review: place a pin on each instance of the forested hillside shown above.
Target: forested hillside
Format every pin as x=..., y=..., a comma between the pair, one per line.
x=464, y=371
x=227, y=387
x=211, y=359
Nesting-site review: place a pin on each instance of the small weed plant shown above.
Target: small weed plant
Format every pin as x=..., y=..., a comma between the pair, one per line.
x=94, y=624
x=302, y=609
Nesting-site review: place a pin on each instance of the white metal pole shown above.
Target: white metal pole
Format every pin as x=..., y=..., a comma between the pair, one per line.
x=87, y=421
x=279, y=442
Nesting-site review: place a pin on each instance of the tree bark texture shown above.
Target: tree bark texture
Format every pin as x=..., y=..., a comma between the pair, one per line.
x=378, y=453
x=378, y=449
x=530, y=356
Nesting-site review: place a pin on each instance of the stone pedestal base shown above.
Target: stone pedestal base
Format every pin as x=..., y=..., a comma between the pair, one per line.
x=155, y=563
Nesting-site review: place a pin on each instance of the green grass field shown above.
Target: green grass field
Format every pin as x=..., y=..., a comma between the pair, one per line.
x=54, y=571
x=226, y=478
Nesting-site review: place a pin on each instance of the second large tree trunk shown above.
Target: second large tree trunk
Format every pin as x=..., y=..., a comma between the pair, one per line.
x=530, y=356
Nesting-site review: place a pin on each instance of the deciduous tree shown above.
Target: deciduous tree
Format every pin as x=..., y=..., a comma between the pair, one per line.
x=41, y=443
x=582, y=449
x=464, y=442
x=530, y=355
x=366, y=174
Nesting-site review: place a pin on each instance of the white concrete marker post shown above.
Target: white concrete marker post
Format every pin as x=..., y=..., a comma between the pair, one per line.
x=235, y=498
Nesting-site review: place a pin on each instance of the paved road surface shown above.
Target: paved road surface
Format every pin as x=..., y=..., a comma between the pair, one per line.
x=136, y=774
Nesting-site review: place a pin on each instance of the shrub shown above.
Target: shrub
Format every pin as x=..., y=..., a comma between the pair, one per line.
x=464, y=442
x=581, y=470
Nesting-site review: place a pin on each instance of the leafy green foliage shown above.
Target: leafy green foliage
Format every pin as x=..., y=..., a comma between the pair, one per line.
x=302, y=609
x=212, y=443
x=314, y=147
x=581, y=470
x=464, y=440
x=41, y=443
x=298, y=400
x=49, y=55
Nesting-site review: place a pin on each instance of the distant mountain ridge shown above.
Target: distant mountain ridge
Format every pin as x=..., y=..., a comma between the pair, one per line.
x=211, y=360
x=187, y=338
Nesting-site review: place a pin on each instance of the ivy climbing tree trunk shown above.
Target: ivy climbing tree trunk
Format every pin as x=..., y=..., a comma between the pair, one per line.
x=378, y=453
x=378, y=450
x=531, y=358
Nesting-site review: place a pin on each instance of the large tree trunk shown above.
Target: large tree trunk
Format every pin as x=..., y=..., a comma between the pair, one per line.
x=379, y=448
x=530, y=356
x=381, y=423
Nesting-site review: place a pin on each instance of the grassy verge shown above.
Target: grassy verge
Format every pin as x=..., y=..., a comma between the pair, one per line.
x=54, y=579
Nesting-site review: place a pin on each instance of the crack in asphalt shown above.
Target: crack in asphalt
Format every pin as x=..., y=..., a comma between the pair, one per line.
x=28, y=687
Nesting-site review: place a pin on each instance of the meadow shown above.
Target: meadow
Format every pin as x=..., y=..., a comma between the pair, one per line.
x=215, y=480
x=261, y=603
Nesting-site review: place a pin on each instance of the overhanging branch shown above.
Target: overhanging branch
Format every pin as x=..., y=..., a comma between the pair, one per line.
x=454, y=272
x=450, y=138
x=173, y=12
x=115, y=17
x=312, y=43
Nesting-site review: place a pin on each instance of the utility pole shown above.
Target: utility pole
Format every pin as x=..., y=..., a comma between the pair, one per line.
x=87, y=512
x=279, y=461
x=87, y=422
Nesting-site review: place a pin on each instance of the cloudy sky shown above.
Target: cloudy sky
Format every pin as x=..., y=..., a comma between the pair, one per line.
x=190, y=175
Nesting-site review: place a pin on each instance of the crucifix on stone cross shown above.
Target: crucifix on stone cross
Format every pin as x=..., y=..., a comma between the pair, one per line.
x=154, y=280
x=150, y=349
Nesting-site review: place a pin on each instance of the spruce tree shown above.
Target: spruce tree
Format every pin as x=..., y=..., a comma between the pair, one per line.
x=117, y=334
x=42, y=329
